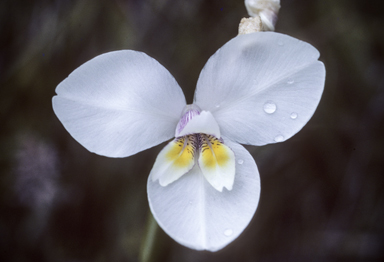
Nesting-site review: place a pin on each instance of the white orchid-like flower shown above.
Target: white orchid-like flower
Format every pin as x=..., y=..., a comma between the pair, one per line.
x=267, y=10
x=204, y=187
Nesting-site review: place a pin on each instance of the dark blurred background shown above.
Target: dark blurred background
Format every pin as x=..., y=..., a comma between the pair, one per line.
x=322, y=195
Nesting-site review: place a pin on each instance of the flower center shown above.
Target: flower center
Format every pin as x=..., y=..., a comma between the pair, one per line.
x=198, y=141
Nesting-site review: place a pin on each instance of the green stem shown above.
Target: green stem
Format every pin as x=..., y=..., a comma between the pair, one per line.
x=147, y=249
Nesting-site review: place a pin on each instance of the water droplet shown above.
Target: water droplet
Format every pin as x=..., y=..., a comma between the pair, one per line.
x=228, y=232
x=190, y=202
x=290, y=81
x=269, y=107
x=280, y=43
x=293, y=115
x=279, y=138
x=240, y=161
x=217, y=106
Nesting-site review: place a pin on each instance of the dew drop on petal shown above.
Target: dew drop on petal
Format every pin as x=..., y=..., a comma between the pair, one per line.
x=190, y=202
x=269, y=107
x=217, y=106
x=279, y=138
x=228, y=232
x=240, y=161
x=280, y=43
x=293, y=115
x=290, y=81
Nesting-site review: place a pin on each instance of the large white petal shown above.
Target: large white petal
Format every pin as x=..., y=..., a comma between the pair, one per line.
x=198, y=216
x=261, y=87
x=119, y=103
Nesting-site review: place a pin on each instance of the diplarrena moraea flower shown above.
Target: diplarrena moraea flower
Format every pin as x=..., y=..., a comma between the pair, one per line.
x=204, y=187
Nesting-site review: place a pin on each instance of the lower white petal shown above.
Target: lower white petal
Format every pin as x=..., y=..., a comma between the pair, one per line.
x=198, y=216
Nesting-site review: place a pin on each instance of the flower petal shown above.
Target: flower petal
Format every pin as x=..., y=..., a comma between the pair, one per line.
x=203, y=123
x=217, y=162
x=261, y=87
x=198, y=216
x=119, y=103
x=175, y=160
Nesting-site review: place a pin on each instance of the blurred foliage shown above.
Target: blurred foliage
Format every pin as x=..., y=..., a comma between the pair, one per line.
x=322, y=193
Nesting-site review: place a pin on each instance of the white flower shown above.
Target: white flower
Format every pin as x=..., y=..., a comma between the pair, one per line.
x=267, y=10
x=257, y=89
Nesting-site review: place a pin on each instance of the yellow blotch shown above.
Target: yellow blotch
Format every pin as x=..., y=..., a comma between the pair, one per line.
x=221, y=153
x=180, y=153
x=216, y=154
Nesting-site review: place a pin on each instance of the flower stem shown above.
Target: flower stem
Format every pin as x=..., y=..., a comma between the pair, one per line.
x=147, y=250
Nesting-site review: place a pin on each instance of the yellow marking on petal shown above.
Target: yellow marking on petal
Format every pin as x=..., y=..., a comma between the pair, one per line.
x=217, y=162
x=214, y=152
x=181, y=152
x=175, y=160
